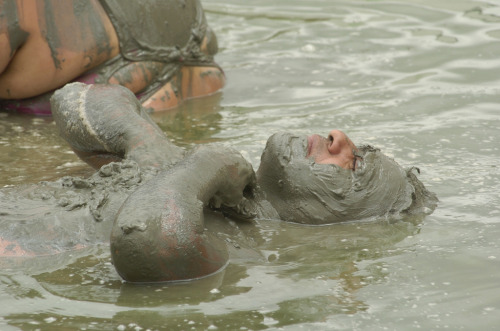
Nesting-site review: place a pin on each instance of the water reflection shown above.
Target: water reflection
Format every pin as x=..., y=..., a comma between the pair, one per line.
x=195, y=122
x=315, y=272
x=31, y=150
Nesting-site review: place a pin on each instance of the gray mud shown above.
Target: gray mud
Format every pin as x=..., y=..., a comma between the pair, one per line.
x=305, y=192
x=70, y=213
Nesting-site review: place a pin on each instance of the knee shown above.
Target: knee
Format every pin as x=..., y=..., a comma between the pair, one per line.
x=164, y=239
x=141, y=256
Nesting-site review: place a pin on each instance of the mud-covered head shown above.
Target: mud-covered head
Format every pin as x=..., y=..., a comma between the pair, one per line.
x=307, y=187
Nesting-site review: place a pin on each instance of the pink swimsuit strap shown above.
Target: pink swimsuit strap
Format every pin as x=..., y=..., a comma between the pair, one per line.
x=40, y=105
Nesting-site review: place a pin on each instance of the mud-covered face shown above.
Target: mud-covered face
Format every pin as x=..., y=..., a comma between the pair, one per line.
x=305, y=191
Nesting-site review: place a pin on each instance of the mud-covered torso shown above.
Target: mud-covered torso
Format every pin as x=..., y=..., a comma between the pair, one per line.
x=166, y=33
x=70, y=213
x=170, y=31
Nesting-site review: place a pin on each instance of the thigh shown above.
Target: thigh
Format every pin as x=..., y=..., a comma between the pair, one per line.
x=190, y=82
x=161, y=86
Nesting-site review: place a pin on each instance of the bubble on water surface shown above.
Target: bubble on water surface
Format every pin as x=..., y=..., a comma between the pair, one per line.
x=308, y=48
x=50, y=320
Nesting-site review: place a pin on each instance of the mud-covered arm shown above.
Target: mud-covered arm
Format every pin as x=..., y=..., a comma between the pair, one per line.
x=103, y=123
x=159, y=233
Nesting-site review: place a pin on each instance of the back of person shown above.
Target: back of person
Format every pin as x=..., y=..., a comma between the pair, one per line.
x=45, y=44
x=161, y=50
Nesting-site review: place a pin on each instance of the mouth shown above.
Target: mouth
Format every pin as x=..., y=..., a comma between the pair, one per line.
x=290, y=146
x=312, y=144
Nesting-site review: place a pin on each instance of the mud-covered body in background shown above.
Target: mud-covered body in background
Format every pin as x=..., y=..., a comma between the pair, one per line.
x=152, y=204
x=161, y=50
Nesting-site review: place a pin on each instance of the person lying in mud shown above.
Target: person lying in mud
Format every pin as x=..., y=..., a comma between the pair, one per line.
x=161, y=50
x=151, y=202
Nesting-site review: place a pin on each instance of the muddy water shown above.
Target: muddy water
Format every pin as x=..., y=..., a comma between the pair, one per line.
x=418, y=79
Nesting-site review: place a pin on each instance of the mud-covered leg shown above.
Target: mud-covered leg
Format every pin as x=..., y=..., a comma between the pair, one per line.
x=190, y=82
x=159, y=235
x=103, y=123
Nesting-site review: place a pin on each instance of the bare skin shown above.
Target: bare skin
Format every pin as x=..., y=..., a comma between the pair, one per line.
x=337, y=149
x=22, y=77
x=54, y=42
x=190, y=83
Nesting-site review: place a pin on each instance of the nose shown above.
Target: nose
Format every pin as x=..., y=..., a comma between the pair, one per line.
x=337, y=142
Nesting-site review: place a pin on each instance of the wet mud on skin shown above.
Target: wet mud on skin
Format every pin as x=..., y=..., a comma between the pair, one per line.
x=109, y=120
x=170, y=38
x=417, y=79
x=56, y=19
x=166, y=216
x=309, y=193
x=9, y=17
x=163, y=219
x=158, y=232
x=173, y=31
x=68, y=214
